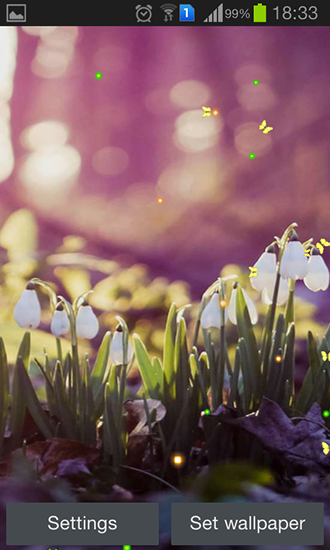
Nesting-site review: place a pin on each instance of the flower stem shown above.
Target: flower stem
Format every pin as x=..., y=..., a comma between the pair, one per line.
x=59, y=351
x=222, y=350
x=289, y=310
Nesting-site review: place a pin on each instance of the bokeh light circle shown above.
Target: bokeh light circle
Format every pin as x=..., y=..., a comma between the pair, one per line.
x=110, y=161
x=190, y=94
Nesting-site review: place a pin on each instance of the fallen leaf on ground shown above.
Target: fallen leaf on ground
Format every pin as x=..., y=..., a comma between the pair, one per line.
x=300, y=442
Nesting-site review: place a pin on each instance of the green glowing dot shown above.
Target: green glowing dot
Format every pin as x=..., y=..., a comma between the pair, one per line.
x=326, y=414
x=256, y=82
x=252, y=156
x=127, y=547
x=207, y=411
x=98, y=75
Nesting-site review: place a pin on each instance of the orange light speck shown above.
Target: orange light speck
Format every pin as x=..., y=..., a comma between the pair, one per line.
x=160, y=200
x=223, y=303
x=178, y=460
x=278, y=358
x=215, y=112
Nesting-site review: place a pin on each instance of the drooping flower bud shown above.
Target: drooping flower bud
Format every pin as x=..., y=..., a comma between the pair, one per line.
x=27, y=313
x=282, y=296
x=211, y=316
x=117, y=348
x=266, y=266
x=294, y=263
x=87, y=324
x=249, y=304
x=317, y=277
x=60, y=324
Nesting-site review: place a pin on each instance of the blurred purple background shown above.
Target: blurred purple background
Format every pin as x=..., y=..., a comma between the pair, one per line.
x=92, y=157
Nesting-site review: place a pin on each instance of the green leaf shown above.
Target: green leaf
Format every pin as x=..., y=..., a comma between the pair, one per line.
x=100, y=365
x=247, y=375
x=99, y=396
x=4, y=392
x=233, y=399
x=181, y=361
x=271, y=377
x=195, y=367
x=88, y=412
x=313, y=356
x=288, y=367
x=66, y=416
x=111, y=441
x=49, y=388
x=17, y=403
x=67, y=366
x=152, y=374
x=246, y=331
x=168, y=356
x=32, y=401
x=309, y=388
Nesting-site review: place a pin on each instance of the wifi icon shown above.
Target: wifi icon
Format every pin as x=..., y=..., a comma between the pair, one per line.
x=168, y=9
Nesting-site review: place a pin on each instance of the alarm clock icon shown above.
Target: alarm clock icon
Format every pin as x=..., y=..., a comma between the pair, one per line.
x=143, y=13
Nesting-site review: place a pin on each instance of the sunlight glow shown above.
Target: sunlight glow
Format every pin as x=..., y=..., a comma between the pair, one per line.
x=8, y=49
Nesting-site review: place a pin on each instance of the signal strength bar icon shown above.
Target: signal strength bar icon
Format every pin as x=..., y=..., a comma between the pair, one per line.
x=216, y=16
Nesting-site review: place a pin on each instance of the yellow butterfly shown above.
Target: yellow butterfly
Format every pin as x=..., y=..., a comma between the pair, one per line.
x=320, y=247
x=325, y=242
x=308, y=252
x=326, y=448
x=325, y=356
x=263, y=126
x=207, y=111
x=254, y=271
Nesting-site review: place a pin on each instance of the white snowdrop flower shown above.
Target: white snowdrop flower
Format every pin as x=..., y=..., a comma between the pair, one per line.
x=294, y=263
x=266, y=266
x=282, y=296
x=60, y=324
x=317, y=277
x=249, y=303
x=117, y=349
x=27, y=313
x=87, y=324
x=211, y=316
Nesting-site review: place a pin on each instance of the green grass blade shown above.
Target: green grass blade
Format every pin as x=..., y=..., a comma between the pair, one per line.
x=88, y=414
x=99, y=396
x=100, y=365
x=246, y=331
x=32, y=401
x=271, y=368
x=151, y=374
x=196, y=367
x=67, y=366
x=168, y=356
x=181, y=362
x=49, y=389
x=313, y=356
x=234, y=398
x=247, y=376
x=111, y=441
x=65, y=414
x=4, y=392
x=286, y=385
x=17, y=404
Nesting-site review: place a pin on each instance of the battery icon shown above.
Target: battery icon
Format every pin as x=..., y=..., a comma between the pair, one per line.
x=260, y=13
